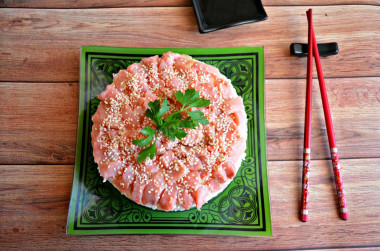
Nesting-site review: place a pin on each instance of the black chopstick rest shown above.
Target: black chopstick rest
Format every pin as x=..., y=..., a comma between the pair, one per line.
x=326, y=49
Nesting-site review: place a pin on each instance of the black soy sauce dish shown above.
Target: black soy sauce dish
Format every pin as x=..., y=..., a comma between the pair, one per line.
x=219, y=14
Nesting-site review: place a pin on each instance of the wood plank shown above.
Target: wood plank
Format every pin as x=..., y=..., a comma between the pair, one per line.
x=355, y=107
x=355, y=111
x=35, y=212
x=54, y=38
x=94, y=3
x=316, y=3
x=38, y=122
x=158, y=3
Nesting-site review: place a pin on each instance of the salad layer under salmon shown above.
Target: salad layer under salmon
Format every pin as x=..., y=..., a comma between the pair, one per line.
x=183, y=173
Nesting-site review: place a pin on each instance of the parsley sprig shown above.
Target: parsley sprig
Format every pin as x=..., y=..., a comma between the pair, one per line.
x=172, y=126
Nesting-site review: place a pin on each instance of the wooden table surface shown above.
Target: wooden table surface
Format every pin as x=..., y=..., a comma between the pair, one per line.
x=39, y=70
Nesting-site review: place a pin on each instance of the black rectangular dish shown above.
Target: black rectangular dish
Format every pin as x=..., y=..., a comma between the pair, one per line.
x=219, y=14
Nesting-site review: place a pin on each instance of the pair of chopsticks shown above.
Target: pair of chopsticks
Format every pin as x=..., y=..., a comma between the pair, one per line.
x=312, y=48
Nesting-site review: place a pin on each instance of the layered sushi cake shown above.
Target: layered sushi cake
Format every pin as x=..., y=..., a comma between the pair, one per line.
x=183, y=172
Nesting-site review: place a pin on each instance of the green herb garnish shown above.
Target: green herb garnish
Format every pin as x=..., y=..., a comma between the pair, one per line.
x=172, y=125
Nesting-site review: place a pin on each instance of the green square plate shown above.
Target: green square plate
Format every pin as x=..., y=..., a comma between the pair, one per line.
x=241, y=209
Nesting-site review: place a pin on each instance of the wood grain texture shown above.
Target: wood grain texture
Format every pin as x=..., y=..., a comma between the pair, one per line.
x=157, y=3
x=45, y=43
x=35, y=212
x=93, y=3
x=38, y=122
x=355, y=110
x=41, y=129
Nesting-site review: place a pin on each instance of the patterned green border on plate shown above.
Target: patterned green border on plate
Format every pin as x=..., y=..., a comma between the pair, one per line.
x=241, y=209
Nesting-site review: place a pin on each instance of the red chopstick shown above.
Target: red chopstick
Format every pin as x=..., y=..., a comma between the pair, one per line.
x=329, y=126
x=307, y=131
